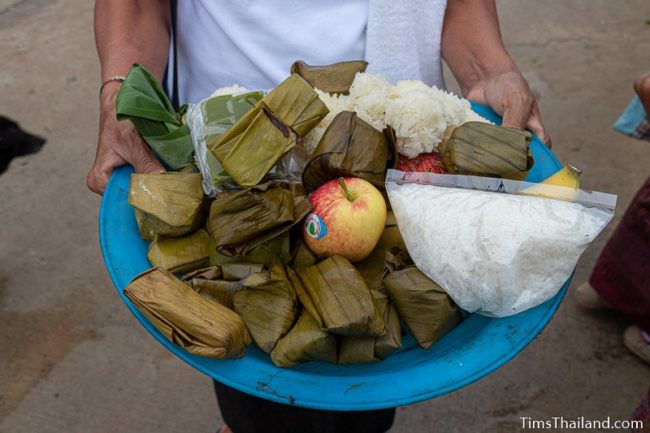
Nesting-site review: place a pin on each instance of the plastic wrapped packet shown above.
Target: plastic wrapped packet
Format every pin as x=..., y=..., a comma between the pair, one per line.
x=495, y=248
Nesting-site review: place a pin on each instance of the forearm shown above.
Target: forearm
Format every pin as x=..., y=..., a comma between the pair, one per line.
x=471, y=42
x=132, y=31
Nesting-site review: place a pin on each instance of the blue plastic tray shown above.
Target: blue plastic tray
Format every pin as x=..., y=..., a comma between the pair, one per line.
x=475, y=348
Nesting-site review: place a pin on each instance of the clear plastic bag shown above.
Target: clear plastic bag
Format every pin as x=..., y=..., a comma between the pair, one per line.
x=213, y=116
x=494, y=247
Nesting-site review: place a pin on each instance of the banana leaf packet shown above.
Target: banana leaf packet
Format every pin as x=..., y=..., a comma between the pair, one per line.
x=142, y=100
x=258, y=140
x=349, y=147
x=166, y=204
x=220, y=283
x=241, y=220
x=426, y=309
x=336, y=295
x=358, y=350
x=268, y=305
x=266, y=254
x=182, y=254
x=306, y=341
x=185, y=318
x=482, y=149
x=334, y=78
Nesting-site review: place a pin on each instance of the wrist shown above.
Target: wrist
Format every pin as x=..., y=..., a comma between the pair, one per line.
x=486, y=70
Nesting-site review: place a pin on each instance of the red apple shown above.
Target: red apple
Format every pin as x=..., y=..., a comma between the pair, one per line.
x=347, y=219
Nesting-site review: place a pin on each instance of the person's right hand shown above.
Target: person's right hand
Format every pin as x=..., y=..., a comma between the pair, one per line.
x=642, y=88
x=119, y=143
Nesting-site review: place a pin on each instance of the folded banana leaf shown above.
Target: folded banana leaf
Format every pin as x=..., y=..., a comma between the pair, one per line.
x=302, y=256
x=220, y=283
x=266, y=254
x=335, y=78
x=257, y=141
x=185, y=318
x=142, y=100
x=349, y=147
x=268, y=305
x=166, y=204
x=356, y=350
x=296, y=103
x=220, y=113
x=183, y=254
x=427, y=310
x=251, y=155
x=392, y=339
x=483, y=149
x=336, y=295
x=241, y=220
x=304, y=342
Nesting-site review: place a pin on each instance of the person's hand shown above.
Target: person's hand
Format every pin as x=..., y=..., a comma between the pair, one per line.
x=509, y=95
x=119, y=143
x=642, y=88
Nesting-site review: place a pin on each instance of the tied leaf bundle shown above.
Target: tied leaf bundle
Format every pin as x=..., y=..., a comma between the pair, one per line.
x=349, y=147
x=166, y=204
x=338, y=298
x=482, y=149
x=185, y=318
x=306, y=341
x=268, y=305
x=220, y=283
x=184, y=254
x=427, y=310
x=335, y=78
x=256, y=142
x=241, y=220
x=142, y=100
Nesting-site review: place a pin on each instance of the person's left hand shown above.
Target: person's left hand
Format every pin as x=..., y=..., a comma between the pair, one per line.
x=509, y=95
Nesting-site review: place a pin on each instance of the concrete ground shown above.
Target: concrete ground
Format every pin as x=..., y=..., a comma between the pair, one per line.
x=73, y=359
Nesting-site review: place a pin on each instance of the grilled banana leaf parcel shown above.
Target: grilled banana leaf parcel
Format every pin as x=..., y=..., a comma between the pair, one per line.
x=187, y=319
x=257, y=141
x=220, y=283
x=268, y=305
x=427, y=310
x=336, y=295
x=349, y=147
x=306, y=341
x=478, y=148
x=335, y=78
x=358, y=350
x=166, y=204
x=241, y=220
x=183, y=254
x=142, y=100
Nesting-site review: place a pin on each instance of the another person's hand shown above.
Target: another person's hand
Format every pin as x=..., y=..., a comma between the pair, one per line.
x=642, y=88
x=119, y=143
x=509, y=95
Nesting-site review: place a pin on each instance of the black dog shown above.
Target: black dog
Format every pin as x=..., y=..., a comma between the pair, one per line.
x=15, y=142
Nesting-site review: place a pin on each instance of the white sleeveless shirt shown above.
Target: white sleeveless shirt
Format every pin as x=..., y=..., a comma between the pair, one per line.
x=254, y=42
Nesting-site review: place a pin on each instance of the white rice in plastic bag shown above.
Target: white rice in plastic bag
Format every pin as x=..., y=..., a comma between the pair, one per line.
x=495, y=254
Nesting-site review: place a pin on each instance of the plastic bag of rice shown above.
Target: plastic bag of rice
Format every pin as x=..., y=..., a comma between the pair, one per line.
x=495, y=253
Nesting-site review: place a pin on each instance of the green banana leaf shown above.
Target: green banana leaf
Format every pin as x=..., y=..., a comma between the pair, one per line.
x=268, y=305
x=335, y=78
x=142, y=100
x=257, y=141
x=183, y=254
x=241, y=220
x=266, y=254
x=349, y=147
x=220, y=283
x=336, y=295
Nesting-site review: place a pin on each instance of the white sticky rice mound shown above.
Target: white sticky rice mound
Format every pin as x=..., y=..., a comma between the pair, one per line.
x=231, y=90
x=422, y=116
